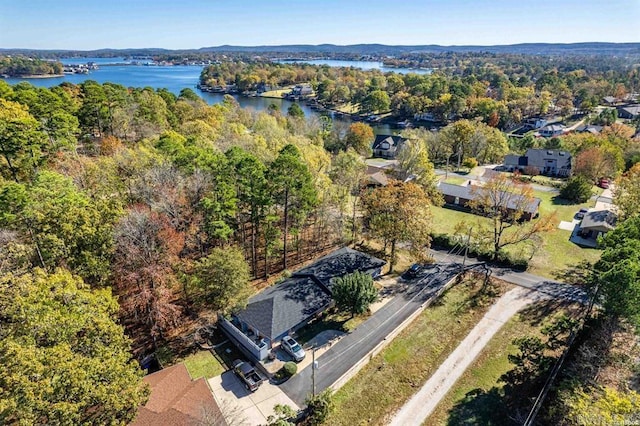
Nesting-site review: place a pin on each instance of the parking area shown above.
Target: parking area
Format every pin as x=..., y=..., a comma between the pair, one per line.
x=252, y=408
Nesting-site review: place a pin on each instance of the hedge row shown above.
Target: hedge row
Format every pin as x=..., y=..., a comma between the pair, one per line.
x=448, y=242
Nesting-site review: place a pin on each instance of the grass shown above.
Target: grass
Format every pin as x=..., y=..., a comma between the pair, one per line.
x=278, y=93
x=477, y=397
x=555, y=254
x=203, y=364
x=456, y=180
x=395, y=374
x=348, y=108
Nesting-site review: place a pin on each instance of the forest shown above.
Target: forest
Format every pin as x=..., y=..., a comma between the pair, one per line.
x=131, y=216
x=17, y=66
x=498, y=89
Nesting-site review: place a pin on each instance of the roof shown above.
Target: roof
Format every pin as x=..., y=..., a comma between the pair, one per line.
x=470, y=192
x=632, y=110
x=601, y=220
x=553, y=127
x=175, y=399
x=379, y=178
x=536, y=157
x=340, y=262
x=291, y=302
x=388, y=142
x=283, y=306
x=590, y=128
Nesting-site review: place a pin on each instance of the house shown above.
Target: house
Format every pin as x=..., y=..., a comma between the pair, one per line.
x=630, y=112
x=551, y=162
x=461, y=195
x=610, y=100
x=285, y=307
x=551, y=130
x=536, y=122
x=589, y=128
x=175, y=399
x=596, y=223
x=302, y=90
x=387, y=146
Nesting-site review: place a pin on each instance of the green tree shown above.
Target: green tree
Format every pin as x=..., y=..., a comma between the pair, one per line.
x=413, y=160
x=348, y=173
x=354, y=293
x=376, y=101
x=292, y=188
x=399, y=212
x=577, y=189
x=282, y=415
x=626, y=195
x=221, y=280
x=616, y=276
x=22, y=144
x=294, y=111
x=64, y=359
x=318, y=408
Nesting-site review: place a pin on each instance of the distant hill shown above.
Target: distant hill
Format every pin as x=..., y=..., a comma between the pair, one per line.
x=593, y=48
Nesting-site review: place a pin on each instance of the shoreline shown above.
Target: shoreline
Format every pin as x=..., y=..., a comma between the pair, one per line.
x=33, y=76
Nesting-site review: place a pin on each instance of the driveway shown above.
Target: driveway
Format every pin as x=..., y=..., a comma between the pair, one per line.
x=350, y=349
x=239, y=406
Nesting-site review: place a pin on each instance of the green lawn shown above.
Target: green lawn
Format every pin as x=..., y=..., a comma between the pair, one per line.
x=203, y=364
x=348, y=108
x=556, y=253
x=477, y=397
x=395, y=374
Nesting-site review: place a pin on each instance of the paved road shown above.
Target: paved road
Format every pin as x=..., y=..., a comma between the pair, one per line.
x=352, y=348
x=552, y=288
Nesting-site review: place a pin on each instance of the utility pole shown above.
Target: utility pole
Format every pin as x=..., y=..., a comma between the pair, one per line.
x=466, y=248
x=313, y=371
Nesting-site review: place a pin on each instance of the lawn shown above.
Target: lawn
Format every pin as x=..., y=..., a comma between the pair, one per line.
x=395, y=374
x=348, y=108
x=555, y=254
x=203, y=364
x=477, y=398
x=278, y=93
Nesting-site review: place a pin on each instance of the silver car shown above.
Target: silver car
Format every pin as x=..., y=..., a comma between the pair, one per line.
x=293, y=348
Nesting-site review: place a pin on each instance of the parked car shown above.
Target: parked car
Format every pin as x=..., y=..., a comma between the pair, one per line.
x=247, y=373
x=583, y=211
x=412, y=272
x=603, y=183
x=293, y=348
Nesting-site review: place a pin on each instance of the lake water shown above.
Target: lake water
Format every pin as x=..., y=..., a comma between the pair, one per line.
x=363, y=65
x=173, y=78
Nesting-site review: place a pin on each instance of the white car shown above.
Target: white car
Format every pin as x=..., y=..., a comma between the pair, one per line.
x=293, y=348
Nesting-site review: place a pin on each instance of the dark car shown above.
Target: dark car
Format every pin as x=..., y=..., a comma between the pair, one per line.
x=247, y=374
x=412, y=272
x=581, y=213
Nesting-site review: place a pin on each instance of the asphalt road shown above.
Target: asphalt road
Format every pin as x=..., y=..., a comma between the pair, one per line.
x=353, y=347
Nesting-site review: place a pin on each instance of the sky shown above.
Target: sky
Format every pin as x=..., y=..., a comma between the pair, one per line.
x=191, y=24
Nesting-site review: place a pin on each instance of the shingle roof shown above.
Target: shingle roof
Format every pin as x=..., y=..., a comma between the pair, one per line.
x=603, y=219
x=177, y=400
x=470, y=192
x=536, y=157
x=632, y=110
x=340, y=262
x=283, y=306
x=394, y=142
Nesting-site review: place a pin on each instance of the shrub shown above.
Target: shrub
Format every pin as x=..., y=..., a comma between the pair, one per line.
x=288, y=369
x=577, y=189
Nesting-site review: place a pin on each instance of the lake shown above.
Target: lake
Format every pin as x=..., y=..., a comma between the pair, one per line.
x=363, y=65
x=174, y=78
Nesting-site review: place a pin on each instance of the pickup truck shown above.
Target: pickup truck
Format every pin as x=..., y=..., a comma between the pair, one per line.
x=247, y=373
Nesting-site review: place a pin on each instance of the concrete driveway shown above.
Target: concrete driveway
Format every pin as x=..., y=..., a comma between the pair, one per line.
x=239, y=406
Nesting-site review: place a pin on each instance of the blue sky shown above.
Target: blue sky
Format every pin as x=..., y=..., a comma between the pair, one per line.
x=90, y=24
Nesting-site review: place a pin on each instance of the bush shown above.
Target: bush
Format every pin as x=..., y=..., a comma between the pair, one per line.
x=288, y=369
x=577, y=189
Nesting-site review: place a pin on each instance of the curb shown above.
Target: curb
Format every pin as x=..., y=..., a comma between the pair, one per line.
x=342, y=380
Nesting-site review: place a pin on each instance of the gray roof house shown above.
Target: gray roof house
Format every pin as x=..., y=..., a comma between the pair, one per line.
x=551, y=130
x=285, y=307
x=460, y=196
x=594, y=224
x=629, y=112
x=552, y=162
x=387, y=146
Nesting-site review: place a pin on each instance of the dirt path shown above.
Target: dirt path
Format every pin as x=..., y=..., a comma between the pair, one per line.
x=422, y=404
